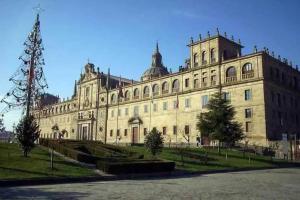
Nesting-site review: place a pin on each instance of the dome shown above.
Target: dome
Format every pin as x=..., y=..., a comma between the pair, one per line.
x=156, y=69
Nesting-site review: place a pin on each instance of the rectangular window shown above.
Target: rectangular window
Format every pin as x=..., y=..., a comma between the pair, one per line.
x=145, y=108
x=248, y=113
x=112, y=113
x=135, y=110
x=248, y=126
x=248, y=95
x=196, y=83
x=111, y=133
x=154, y=107
x=165, y=105
x=204, y=101
x=186, y=129
x=125, y=132
x=226, y=96
x=145, y=131
x=187, y=103
x=118, y=132
x=174, y=130
x=213, y=79
x=164, y=130
x=187, y=82
x=126, y=111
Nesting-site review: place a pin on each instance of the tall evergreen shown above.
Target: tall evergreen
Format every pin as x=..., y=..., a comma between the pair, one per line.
x=218, y=123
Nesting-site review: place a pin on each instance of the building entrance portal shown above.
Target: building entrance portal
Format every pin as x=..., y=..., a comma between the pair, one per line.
x=135, y=135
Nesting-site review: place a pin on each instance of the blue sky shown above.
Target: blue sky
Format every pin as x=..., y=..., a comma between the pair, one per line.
x=122, y=34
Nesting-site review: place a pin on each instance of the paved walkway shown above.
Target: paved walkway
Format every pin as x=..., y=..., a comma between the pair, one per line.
x=261, y=184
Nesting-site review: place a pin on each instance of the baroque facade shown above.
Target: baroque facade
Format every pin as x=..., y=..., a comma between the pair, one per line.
x=264, y=90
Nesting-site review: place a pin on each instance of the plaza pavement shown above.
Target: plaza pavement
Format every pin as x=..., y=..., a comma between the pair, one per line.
x=260, y=184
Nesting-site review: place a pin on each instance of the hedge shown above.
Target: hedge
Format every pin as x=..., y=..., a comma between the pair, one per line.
x=142, y=166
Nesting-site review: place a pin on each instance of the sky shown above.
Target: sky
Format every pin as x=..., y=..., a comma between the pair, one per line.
x=121, y=35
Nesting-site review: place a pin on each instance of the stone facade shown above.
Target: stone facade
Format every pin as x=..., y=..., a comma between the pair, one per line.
x=265, y=92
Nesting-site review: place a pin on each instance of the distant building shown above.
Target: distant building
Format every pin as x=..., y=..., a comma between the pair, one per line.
x=263, y=89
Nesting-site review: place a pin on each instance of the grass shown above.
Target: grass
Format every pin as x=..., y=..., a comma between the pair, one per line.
x=194, y=159
x=14, y=166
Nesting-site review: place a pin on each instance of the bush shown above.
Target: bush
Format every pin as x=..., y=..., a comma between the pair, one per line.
x=154, y=141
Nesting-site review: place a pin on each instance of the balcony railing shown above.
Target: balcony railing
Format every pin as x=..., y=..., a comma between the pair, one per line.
x=155, y=93
x=175, y=89
x=136, y=97
x=165, y=91
x=231, y=79
x=248, y=75
x=204, y=84
x=146, y=95
x=204, y=62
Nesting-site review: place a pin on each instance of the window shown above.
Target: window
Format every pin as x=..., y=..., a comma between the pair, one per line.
x=145, y=108
x=113, y=98
x=213, y=55
x=145, y=131
x=204, y=58
x=248, y=113
x=247, y=71
x=196, y=83
x=155, y=90
x=175, y=85
x=87, y=92
x=135, y=110
x=126, y=111
x=164, y=131
x=118, y=132
x=272, y=96
x=226, y=96
x=165, y=88
x=165, y=105
x=204, y=101
x=112, y=113
x=248, y=126
x=174, y=130
x=186, y=129
x=278, y=99
x=146, y=91
x=127, y=95
x=230, y=74
x=187, y=82
x=136, y=93
x=125, y=132
x=187, y=103
x=248, y=95
x=154, y=107
x=111, y=133
x=204, y=81
x=213, y=80
x=196, y=59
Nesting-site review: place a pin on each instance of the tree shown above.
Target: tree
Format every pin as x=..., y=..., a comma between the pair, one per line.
x=154, y=141
x=27, y=133
x=2, y=128
x=218, y=123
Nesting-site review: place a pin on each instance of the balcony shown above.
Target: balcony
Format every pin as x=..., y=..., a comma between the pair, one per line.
x=231, y=79
x=248, y=75
x=146, y=95
x=204, y=84
x=213, y=83
x=136, y=97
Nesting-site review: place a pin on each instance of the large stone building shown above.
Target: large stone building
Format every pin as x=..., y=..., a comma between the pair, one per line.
x=264, y=90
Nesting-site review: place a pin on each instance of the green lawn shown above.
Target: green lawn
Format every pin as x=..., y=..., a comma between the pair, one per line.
x=14, y=166
x=194, y=159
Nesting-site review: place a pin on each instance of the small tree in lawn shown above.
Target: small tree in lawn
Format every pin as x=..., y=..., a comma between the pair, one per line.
x=218, y=123
x=27, y=133
x=154, y=141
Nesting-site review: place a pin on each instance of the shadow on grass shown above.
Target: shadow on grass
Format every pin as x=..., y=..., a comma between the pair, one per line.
x=24, y=171
x=39, y=193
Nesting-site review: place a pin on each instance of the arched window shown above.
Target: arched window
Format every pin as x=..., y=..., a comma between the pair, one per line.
x=127, y=95
x=247, y=71
x=204, y=58
x=113, y=98
x=175, y=86
x=136, y=93
x=155, y=90
x=146, y=91
x=230, y=74
x=196, y=59
x=212, y=55
x=165, y=87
